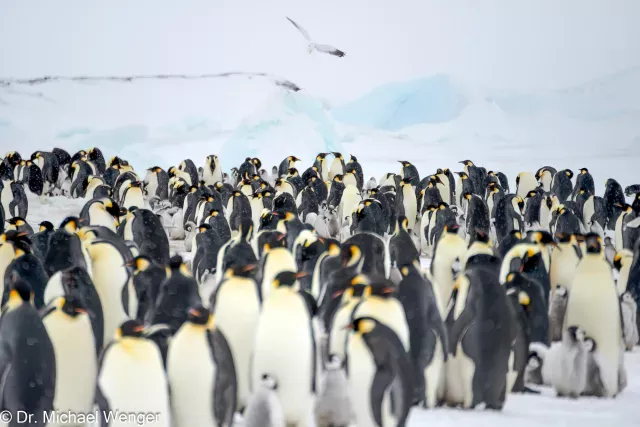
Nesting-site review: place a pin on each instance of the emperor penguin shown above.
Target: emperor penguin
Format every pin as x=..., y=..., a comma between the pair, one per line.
x=285, y=347
x=212, y=172
x=350, y=298
x=622, y=263
x=561, y=185
x=132, y=377
x=236, y=298
x=27, y=362
x=629, y=309
x=286, y=164
x=147, y=232
x=264, y=408
x=427, y=334
x=565, y=364
x=276, y=258
x=625, y=216
x=67, y=322
x=102, y=212
x=322, y=165
x=337, y=166
x=333, y=407
x=97, y=158
x=380, y=374
x=156, y=183
x=557, y=310
x=133, y=196
x=407, y=203
x=450, y=249
x=593, y=286
x=545, y=177
x=201, y=373
x=349, y=202
x=381, y=303
x=478, y=357
x=111, y=279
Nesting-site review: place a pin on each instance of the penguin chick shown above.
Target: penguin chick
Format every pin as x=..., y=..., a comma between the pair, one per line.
x=557, y=309
x=629, y=325
x=565, y=365
x=264, y=408
x=333, y=406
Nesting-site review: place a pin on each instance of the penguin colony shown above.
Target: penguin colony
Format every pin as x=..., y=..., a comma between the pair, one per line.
x=305, y=301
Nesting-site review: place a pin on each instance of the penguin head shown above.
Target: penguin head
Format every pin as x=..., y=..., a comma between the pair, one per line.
x=466, y=162
x=337, y=155
x=287, y=279
x=561, y=291
x=568, y=173
x=139, y=264
x=624, y=207
x=405, y=182
x=246, y=229
x=338, y=178
x=463, y=175
x=589, y=345
x=402, y=223
x=333, y=247
x=256, y=161
x=130, y=329
x=321, y=156
x=513, y=286
x=363, y=325
x=451, y=228
x=177, y=266
x=256, y=177
x=45, y=226
x=203, y=227
x=530, y=258
x=594, y=243
x=292, y=172
x=541, y=237
x=200, y=315
x=293, y=159
x=19, y=291
x=275, y=239
x=350, y=255
x=268, y=382
x=240, y=271
x=111, y=207
x=575, y=334
x=18, y=240
x=16, y=222
x=70, y=224
x=621, y=257
x=563, y=238
x=482, y=236
x=531, y=194
x=584, y=171
x=71, y=305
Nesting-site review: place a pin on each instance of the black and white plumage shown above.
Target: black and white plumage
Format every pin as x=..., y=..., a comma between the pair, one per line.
x=322, y=48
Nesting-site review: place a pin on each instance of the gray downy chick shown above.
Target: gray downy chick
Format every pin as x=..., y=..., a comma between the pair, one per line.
x=264, y=408
x=333, y=407
x=557, y=310
x=565, y=365
x=629, y=326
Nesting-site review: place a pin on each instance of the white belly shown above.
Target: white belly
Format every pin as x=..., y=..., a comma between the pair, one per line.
x=7, y=197
x=133, y=381
x=284, y=350
x=593, y=306
x=410, y=207
x=237, y=312
x=109, y=279
x=191, y=371
x=134, y=198
x=349, y=202
x=101, y=217
x=278, y=260
x=76, y=364
x=338, y=335
x=151, y=183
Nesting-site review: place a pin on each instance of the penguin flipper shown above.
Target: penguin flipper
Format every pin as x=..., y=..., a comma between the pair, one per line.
x=381, y=382
x=103, y=407
x=3, y=379
x=225, y=402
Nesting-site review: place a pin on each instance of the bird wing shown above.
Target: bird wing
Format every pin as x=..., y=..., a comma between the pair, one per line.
x=302, y=30
x=325, y=48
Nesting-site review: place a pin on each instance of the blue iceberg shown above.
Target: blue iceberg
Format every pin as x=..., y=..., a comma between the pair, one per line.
x=395, y=106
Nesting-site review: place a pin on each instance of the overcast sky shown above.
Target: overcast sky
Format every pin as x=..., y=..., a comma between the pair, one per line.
x=511, y=44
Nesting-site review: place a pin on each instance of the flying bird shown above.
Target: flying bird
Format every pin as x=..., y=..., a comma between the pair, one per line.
x=324, y=48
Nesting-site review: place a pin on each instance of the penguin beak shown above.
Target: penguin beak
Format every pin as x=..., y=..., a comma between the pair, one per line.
x=348, y=327
x=81, y=311
x=301, y=274
x=337, y=294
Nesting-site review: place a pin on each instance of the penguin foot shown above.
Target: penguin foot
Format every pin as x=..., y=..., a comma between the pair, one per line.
x=528, y=390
